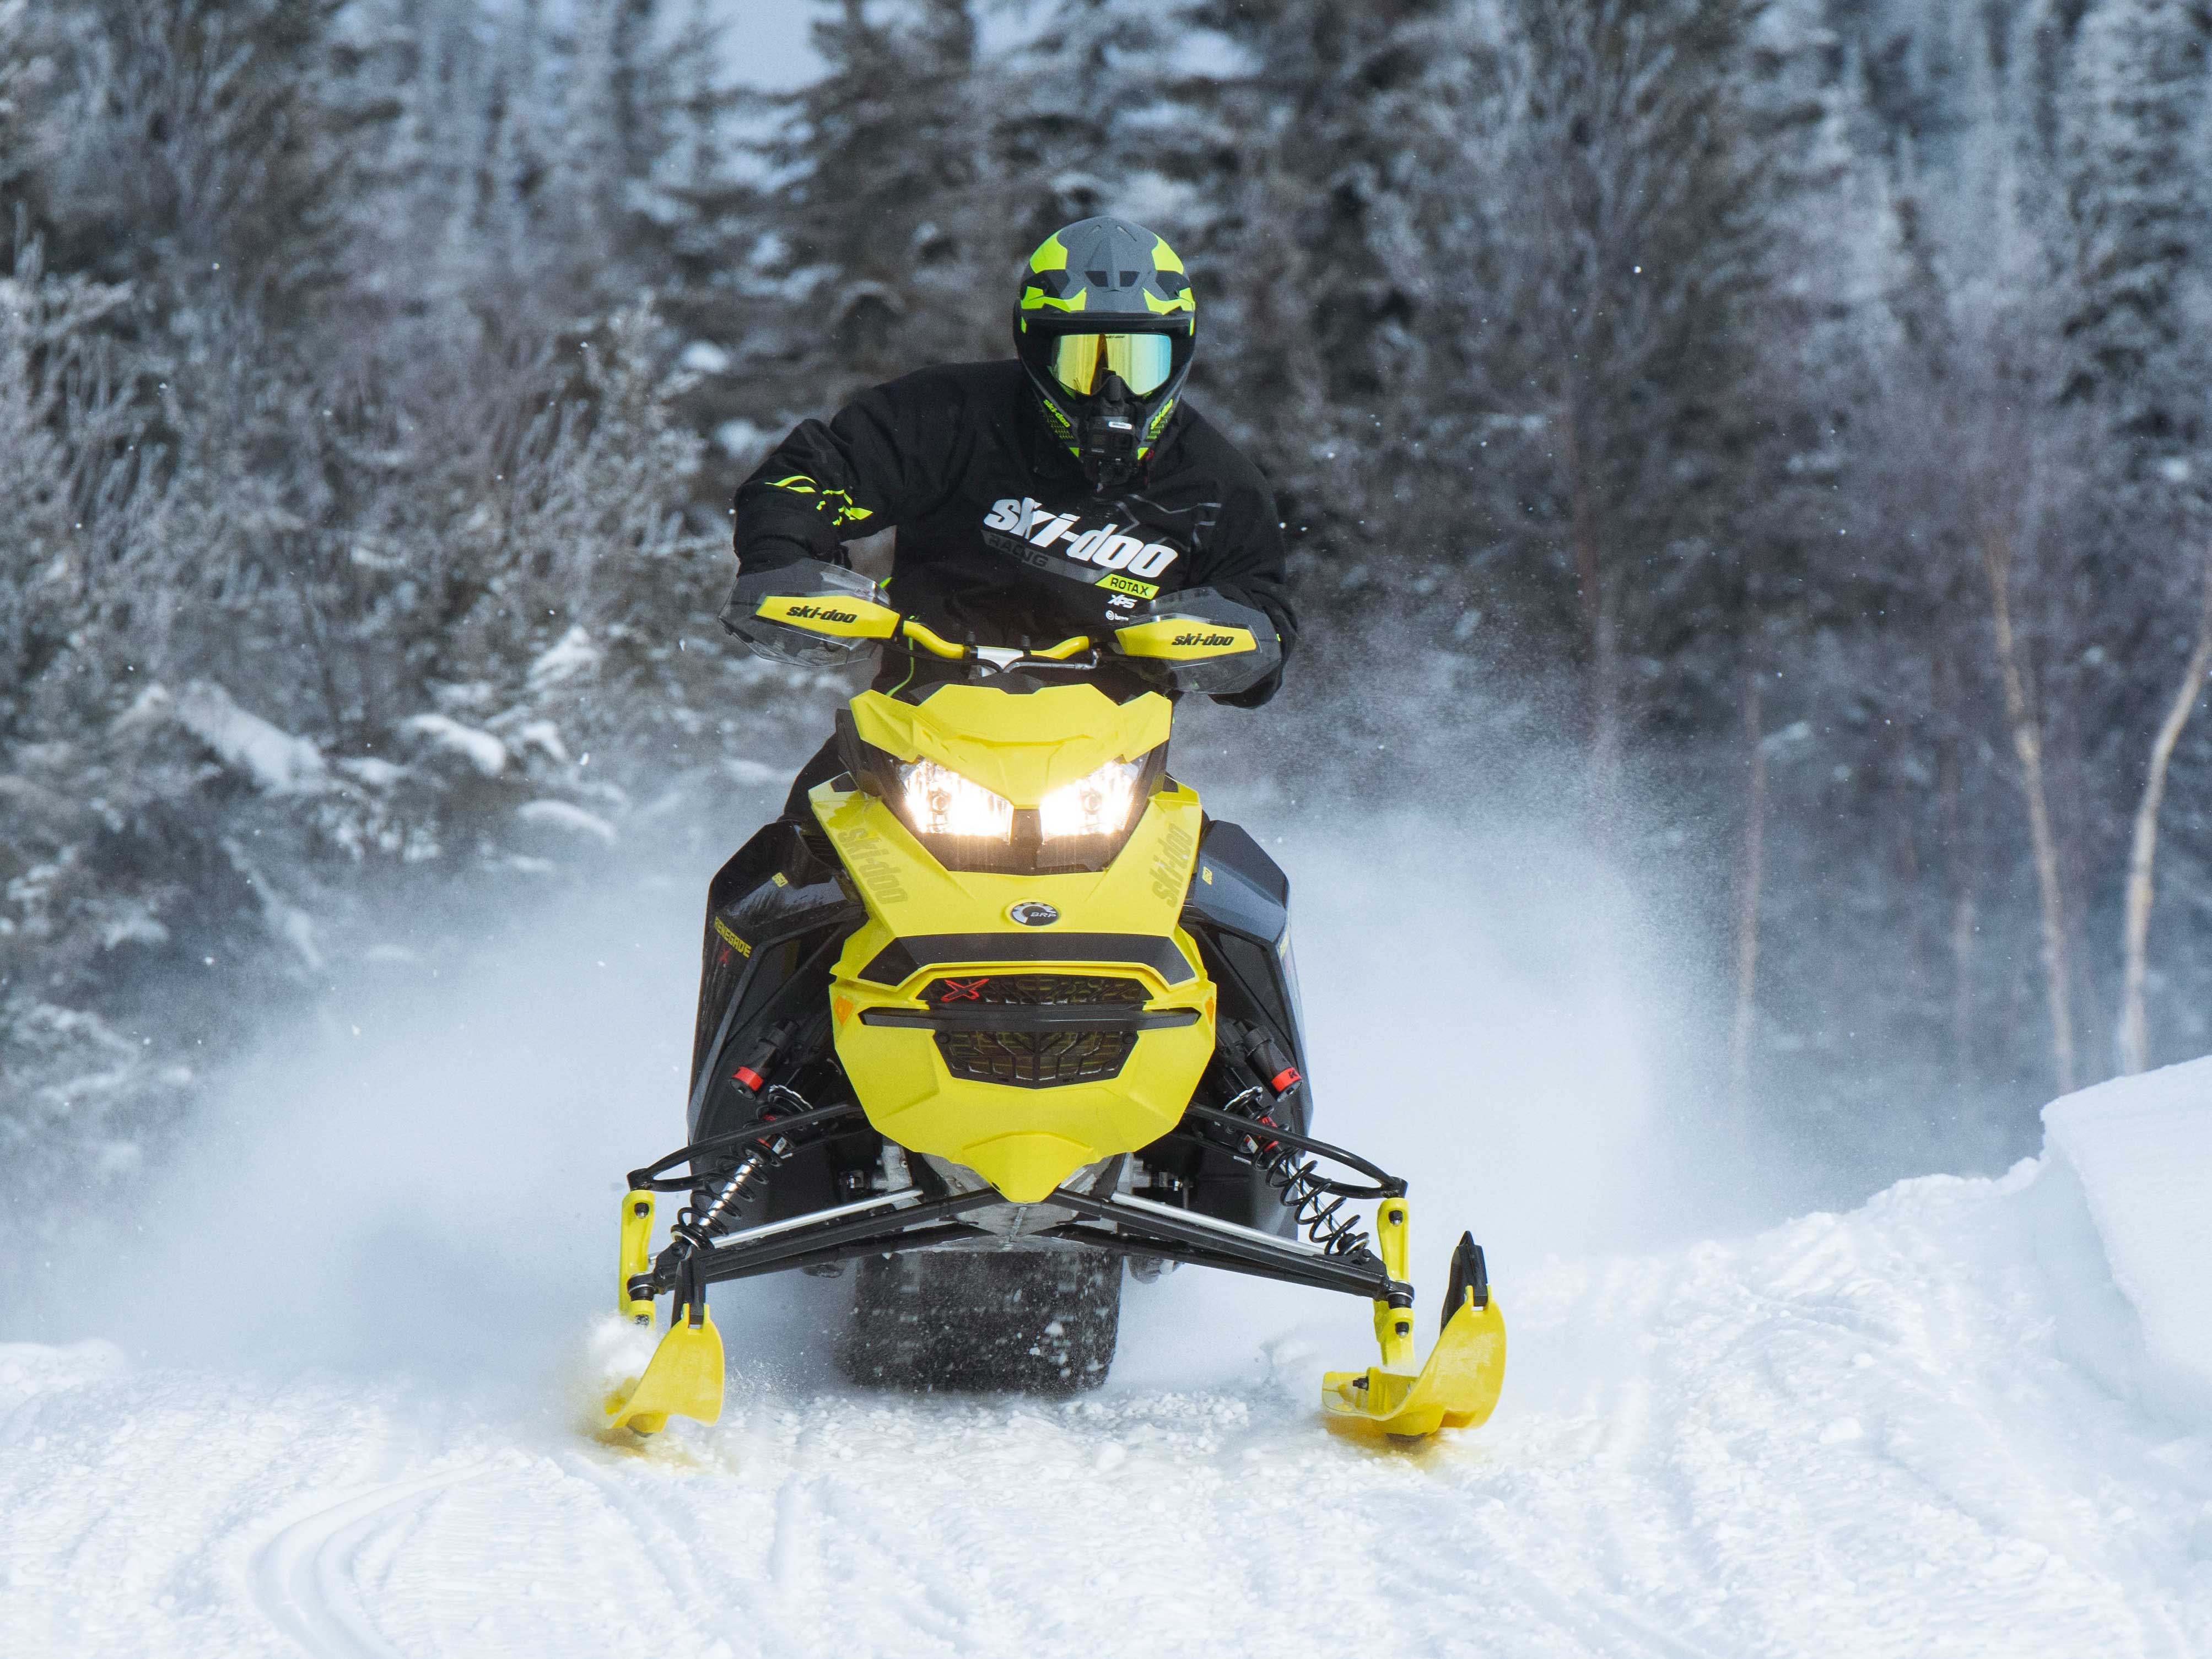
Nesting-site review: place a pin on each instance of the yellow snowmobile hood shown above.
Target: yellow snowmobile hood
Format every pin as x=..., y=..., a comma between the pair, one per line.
x=1021, y=746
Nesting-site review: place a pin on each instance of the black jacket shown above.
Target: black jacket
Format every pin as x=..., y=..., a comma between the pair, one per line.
x=1002, y=539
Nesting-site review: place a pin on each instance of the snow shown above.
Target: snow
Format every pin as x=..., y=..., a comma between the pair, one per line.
x=704, y=357
x=2140, y=1149
x=1911, y=1429
x=1852, y=1434
x=544, y=737
x=741, y=441
x=574, y=654
x=278, y=762
x=739, y=770
x=480, y=748
x=564, y=814
x=372, y=772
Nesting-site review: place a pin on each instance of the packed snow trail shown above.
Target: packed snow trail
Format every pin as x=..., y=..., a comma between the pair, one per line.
x=1853, y=1434
x=1937, y=1424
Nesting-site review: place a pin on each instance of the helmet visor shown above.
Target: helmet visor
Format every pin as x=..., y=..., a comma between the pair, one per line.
x=1081, y=363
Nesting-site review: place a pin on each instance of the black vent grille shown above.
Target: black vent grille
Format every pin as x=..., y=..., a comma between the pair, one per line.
x=1035, y=1059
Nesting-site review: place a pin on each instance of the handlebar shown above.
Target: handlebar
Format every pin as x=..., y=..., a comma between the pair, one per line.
x=1177, y=641
x=937, y=645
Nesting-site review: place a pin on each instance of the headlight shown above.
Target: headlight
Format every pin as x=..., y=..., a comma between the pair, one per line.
x=1096, y=806
x=938, y=801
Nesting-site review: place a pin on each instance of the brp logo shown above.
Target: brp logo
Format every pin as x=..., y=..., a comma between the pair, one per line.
x=1032, y=913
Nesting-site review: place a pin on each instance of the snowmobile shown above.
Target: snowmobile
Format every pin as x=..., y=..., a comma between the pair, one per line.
x=1011, y=1015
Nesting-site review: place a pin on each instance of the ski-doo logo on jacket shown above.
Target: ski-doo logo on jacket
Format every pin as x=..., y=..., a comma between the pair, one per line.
x=1048, y=540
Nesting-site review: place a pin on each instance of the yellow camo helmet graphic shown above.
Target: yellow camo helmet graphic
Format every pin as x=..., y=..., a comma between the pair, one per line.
x=1106, y=268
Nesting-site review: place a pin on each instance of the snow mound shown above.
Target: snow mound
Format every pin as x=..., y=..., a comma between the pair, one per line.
x=2139, y=1149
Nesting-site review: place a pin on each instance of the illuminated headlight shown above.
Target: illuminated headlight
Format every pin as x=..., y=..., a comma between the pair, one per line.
x=1099, y=805
x=938, y=801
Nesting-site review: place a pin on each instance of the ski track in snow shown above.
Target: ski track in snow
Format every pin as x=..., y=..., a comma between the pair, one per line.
x=308, y=1578
x=1855, y=1434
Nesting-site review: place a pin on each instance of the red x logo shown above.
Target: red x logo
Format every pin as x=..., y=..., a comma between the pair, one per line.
x=963, y=990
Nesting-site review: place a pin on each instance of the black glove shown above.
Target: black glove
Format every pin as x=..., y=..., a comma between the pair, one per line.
x=781, y=643
x=1211, y=619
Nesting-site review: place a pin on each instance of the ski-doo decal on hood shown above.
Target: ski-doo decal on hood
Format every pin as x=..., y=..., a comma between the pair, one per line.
x=1104, y=555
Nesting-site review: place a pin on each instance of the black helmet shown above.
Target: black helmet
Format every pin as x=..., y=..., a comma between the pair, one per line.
x=1104, y=326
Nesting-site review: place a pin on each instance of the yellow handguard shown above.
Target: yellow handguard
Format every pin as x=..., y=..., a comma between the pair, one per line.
x=1459, y=1386
x=1181, y=638
x=833, y=616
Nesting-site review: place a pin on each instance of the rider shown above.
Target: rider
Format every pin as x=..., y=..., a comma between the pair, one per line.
x=1069, y=491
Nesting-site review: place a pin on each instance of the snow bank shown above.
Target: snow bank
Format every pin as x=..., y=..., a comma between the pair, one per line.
x=2138, y=1151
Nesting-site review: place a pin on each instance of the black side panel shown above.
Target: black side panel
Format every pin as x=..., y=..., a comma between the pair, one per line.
x=1238, y=910
x=1227, y=847
x=775, y=915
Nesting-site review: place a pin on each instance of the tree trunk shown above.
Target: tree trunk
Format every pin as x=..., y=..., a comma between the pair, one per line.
x=1751, y=877
x=1600, y=648
x=2027, y=746
x=2135, y=1028
x=1959, y=869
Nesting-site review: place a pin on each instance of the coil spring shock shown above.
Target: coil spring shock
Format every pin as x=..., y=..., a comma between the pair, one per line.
x=700, y=1230
x=1298, y=1184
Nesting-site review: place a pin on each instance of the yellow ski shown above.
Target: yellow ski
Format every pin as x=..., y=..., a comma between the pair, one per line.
x=1458, y=1387
x=685, y=1379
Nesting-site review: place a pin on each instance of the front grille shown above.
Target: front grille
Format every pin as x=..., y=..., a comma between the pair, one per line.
x=1035, y=1059
x=1034, y=990
x=1041, y=1058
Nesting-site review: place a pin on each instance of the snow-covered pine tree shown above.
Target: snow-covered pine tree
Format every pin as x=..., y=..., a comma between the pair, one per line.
x=888, y=242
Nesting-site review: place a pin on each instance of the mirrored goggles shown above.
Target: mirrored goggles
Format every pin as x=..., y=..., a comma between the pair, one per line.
x=1081, y=362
